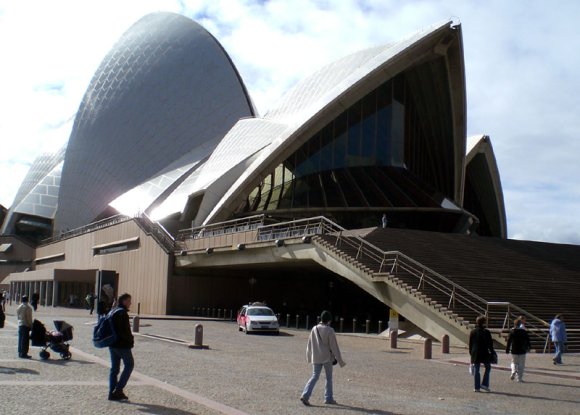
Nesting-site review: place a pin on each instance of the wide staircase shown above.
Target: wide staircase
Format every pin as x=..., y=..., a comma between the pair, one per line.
x=542, y=278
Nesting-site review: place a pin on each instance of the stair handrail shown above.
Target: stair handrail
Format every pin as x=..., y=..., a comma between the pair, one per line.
x=476, y=303
x=157, y=231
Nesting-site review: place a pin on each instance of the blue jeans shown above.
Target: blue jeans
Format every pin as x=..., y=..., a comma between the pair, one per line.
x=316, y=369
x=116, y=356
x=23, y=340
x=478, y=382
x=558, y=357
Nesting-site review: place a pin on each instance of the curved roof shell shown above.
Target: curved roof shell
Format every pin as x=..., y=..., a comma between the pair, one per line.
x=165, y=89
x=484, y=182
x=320, y=98
x=38, y=193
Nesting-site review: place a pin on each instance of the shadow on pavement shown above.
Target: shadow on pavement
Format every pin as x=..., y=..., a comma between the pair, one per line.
x=539, y=398
x=62, y=362
x=557, y=385
x=157, y=409
x=15, y=370
x=357, y=409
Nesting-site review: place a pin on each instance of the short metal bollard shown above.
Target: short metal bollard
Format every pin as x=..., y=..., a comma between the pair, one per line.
x=231, y=315
x=136, y=324
x=307, y=322
x=367, y=326
x=380, y=330
x=287, y=320
x=445, y=344
x=297, y=320
x=219, y=313
x=354, y=325
x=198, y=338
x=341, y=325
x=393, y=338
x=427, y=349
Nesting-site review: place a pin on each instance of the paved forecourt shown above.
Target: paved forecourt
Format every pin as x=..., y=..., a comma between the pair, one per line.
x=261, y=374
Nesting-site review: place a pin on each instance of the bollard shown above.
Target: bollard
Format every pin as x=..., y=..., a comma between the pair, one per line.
x=367, y=326
x=231, y=315
x=427, y=349
x=307, y=322
x=219, y=313
x=287, y=320
x=198, y=338
x=341, y=326
x=297, y=318
x=136, y=324
x=393, y=338
x=445, y=344
x=138, y=308
x=213, y=312
x=380, y=330
x=354, y=325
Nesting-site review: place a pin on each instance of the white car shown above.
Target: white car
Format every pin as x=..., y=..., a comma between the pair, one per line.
x=257, y=318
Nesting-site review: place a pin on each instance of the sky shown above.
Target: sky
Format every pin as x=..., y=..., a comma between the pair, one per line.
x=522, y=65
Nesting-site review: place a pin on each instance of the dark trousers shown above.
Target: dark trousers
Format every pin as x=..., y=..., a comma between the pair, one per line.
x=23, y=340
x=117, y=355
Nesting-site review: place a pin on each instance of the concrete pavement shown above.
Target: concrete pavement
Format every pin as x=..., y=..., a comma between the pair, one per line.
x=259, y=374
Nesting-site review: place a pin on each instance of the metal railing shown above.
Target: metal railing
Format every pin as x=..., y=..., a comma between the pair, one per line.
x=221, y=228
x=455, y=297
x=157, y=232
x=91, y=227
x=390, y=263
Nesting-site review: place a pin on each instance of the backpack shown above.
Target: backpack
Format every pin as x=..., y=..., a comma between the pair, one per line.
x=104, y=334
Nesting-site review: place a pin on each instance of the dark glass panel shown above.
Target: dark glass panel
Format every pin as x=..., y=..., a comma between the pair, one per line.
x=369, y=118
x=354, y=134
x=326, y=152
x=340, y=141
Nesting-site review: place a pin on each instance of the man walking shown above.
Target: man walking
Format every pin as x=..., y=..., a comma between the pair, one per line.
x=518, y=344
x=24, y=315
x=482, y=352
x=322, y=351
x=559, y=337
x=121, y=349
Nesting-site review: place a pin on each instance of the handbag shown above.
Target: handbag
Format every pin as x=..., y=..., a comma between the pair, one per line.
x=334, y=361
x=493, y=358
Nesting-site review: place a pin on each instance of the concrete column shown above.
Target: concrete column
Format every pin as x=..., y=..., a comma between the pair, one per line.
x=42, y=293
x=54, y=293
x=49, y=293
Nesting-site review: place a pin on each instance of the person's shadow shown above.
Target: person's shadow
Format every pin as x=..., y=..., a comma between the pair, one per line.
x=540, y=398
x=15, y=370
x=357, y=409
x=148, y=408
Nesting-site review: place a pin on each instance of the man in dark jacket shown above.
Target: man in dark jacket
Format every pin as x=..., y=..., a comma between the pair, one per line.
x=519, y=344
x=121, y=349
x=481, y=351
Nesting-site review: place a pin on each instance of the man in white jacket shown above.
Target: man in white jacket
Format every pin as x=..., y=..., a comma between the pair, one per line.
x=24, y=315
x=322, y=351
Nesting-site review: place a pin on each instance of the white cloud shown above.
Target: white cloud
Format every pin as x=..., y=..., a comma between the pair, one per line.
x=521, y=68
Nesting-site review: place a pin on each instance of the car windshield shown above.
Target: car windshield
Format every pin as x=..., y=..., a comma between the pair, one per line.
x=260, y=312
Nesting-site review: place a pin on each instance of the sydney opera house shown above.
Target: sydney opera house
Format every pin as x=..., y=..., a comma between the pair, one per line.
x=168, y=152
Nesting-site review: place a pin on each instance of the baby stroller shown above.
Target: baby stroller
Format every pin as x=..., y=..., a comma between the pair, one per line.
x=55, y=340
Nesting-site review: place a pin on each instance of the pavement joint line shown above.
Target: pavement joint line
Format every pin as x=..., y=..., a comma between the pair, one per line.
x=541, y=372
x=60, y=383
x=163, y=338
x=190, y=396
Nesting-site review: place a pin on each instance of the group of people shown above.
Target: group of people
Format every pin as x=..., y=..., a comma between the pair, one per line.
x=120, y=350
x=518, y=345
x=322, y=350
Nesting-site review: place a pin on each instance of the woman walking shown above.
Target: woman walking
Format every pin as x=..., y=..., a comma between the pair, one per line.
x=482, y=352
x=322, y=351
